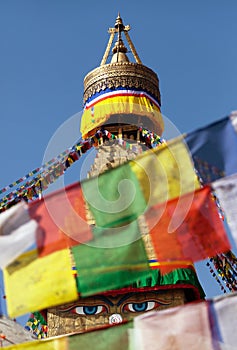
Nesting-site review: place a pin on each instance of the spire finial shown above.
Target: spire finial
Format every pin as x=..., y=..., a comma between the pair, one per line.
x=119, y=24
x=119, y=48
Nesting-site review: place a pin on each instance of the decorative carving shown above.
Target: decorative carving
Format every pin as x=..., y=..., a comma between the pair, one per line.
x=121, y=74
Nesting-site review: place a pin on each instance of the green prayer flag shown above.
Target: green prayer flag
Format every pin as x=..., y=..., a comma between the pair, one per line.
x=115, y=337
x=115, y=258
x=114, y=197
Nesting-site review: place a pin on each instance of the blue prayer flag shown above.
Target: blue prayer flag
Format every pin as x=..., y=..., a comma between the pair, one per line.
x=214, y=150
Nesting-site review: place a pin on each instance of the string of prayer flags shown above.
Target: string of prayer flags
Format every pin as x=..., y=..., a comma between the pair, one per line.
x=44, y=168
x=226, y=191
x=226, y=266
x=115, y=258
x=4, y=189
x=212, y=326
x=151, y=138
x=48, y=282
x=37, y=324
x=115, y=197
x=17, y=233
x=51, y=170
x=187, y=228
x=214, y=148
x=61, y=218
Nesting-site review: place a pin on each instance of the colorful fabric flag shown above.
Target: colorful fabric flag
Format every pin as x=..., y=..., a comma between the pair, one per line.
x=49, y=344
x=226, y=191
x=213, y=149
x=222, y=315
x=39, y=283
x=166, y=172
x=114, y=197
x=62, y=220
x=17, y=233
x=184, y=327
x=115, y=338
x=99, y=108
x=204, y=325
x=12, y=218
x=187, y=228
x=114, y=259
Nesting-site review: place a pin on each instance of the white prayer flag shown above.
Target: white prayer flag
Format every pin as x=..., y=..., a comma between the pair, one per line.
x=226, y=192
x=206, y=325
x=17, y=233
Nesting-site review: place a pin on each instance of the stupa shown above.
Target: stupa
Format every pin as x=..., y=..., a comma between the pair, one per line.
x=122, y=98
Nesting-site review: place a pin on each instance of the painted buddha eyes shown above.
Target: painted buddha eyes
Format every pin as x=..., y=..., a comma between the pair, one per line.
x=140, y=307
x=89, y=310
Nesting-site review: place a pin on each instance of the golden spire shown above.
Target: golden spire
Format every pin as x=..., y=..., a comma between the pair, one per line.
x=119, y=50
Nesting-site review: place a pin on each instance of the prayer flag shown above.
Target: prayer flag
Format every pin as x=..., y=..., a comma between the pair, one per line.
x=114, y=259
x=187, y=228
x=17, y=233
x=183, y=327
x=113, y=337
x=35, y=284
x=226, y=191
x=114, y=197
x=61, y=218
x=49, y=344
x=206, y=325
x=222, y=315
x=166, y=172
x=214, y=149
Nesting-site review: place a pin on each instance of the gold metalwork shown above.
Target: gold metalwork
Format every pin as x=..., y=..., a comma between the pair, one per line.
x=119, y=27
x=121, y=74
x=106, y=54
x=132, y=47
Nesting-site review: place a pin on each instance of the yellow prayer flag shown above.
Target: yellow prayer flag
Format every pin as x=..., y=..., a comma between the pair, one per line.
x=53, y=344
x=166, y=172
x=34, y=283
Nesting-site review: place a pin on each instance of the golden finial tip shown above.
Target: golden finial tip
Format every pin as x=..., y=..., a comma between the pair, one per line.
x=119, y=23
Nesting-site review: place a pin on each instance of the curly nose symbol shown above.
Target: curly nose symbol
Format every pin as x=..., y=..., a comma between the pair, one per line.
x=115, y=318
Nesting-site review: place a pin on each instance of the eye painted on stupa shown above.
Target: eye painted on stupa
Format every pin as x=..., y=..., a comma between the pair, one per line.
x=89, y=310
x=140, y=307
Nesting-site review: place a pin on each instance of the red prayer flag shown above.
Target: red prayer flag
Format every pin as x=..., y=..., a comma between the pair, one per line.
x=62, y=220
x=187, y=228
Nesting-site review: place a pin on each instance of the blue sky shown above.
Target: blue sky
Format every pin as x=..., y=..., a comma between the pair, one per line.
x=48, y=46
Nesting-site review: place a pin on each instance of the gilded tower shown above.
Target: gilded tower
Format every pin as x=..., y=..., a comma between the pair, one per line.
x=122, y=98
